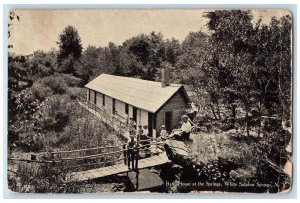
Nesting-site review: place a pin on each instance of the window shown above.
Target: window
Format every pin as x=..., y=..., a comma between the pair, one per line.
x=113, y=106
x=95, y=98
x=89, y=95
x=126, y=108
x=103, y=99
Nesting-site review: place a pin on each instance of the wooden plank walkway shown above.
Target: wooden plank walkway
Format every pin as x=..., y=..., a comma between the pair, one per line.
x=116, y=169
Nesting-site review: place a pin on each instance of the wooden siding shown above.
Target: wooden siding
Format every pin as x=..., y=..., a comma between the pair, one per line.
x=177, y=105
x=130, y=114
x=92, y=96
x=99, y=99
x=144, y=117
x=108, y=104
x=120, y=108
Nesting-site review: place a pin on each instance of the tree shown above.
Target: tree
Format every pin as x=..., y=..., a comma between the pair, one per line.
x=172, y=51
x=69, y=44
x=42, y=64
x=254, y=64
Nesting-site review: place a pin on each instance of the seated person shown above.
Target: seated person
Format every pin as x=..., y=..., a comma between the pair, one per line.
x=163, y=132
x=184, y=132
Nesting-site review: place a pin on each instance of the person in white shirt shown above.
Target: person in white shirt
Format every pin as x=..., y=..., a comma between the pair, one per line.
x=163, y=132
x=184, y=131
x=144, y=138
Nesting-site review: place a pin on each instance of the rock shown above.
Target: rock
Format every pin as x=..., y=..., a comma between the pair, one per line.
x=178, y=148
x=177, y=152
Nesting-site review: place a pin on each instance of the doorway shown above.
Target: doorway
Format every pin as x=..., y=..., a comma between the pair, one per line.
x=134, y=113
x=150, y=124
x=168, y=120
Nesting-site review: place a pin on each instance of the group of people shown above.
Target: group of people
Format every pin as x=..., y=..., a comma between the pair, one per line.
x=182, y=133
x=139, y=138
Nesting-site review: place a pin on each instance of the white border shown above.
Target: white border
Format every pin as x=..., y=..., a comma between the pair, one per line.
x=213, y=3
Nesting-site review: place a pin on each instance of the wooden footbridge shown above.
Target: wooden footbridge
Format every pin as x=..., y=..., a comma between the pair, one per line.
x=117, y=169
x=116, y=161
x=99, y=162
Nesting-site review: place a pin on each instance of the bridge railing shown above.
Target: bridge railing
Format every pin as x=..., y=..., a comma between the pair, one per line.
x=116, y=153
x=113, y=119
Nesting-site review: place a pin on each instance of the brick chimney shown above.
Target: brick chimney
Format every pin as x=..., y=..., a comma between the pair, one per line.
x=164, y=77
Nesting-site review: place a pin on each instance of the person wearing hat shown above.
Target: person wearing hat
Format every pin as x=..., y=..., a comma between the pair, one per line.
x=163, y=132
x=184, y=131
x=131, y=151
x=163, y=135
x=132, y=126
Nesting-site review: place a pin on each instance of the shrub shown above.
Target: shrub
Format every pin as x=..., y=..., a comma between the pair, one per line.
x=40, y=91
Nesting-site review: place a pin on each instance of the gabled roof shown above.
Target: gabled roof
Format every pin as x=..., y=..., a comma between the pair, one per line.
x=143, y=94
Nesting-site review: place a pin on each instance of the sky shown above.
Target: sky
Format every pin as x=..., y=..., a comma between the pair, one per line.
x=39, y=29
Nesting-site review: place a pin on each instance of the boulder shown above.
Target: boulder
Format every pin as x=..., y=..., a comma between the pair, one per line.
x=177, y=151
x=178, y=148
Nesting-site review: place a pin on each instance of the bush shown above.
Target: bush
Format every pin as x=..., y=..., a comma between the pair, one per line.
x=41, y=178
x=57, y=85
x=40, y=91
x=54, y=113
x=76, y=92
x=70, y=80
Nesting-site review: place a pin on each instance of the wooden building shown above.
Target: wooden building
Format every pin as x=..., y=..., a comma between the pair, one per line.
x=147, y=102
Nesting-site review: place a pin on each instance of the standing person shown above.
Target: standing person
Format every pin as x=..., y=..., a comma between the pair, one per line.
x=146, y=131
x=131, y=151
x=132, y=126
x=139, y=133
x=145, y=136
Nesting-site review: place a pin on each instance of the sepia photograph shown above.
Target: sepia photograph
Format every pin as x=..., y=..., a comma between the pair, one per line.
x=150, y=101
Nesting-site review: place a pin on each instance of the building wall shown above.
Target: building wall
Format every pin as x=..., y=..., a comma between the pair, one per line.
x=144, y=117
x=130, y=110
x=92, y=96
x=87, y=94
x=120, y=108
x=108, y=104
x=177, y=105
x=99, y=99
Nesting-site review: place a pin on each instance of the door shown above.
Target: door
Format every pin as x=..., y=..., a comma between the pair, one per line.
x=150, y=123
x=168, y=120
x=134, y=113
x=113, y=106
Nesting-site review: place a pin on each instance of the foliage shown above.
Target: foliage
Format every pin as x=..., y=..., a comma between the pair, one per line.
x=69, y=44
x=42, y=178
x=42, y=64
